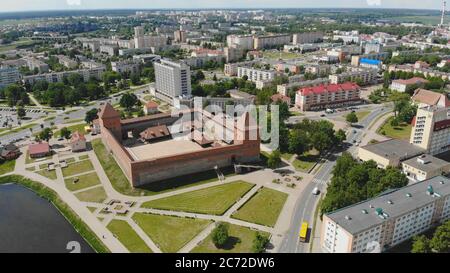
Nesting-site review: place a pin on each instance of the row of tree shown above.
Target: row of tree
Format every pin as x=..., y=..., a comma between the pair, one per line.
x=439, y=242
x=353, y=182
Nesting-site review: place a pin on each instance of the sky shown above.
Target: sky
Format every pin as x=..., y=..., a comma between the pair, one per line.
x=28, y=5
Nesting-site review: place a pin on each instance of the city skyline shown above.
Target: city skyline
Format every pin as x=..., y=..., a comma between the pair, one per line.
x=29, y=5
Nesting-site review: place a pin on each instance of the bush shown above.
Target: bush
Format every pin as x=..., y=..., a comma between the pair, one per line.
x=259, y=243
x=220, y=235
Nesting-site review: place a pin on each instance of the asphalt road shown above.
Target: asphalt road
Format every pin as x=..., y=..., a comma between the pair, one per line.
x=307, y=202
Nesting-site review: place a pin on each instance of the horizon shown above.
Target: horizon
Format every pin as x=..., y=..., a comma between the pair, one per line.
x=83, y=5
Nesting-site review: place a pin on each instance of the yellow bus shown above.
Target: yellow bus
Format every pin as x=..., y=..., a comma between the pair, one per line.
x=303, y=231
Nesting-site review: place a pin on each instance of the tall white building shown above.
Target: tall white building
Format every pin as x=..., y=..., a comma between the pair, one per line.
x=244, y=42
x=306, y=38
x=431, y=126
x=256, y=75
x=388, y=220
x=173, y=80
x=148, y=41
x=8, y=75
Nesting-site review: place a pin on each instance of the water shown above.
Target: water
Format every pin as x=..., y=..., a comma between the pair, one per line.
x=30, y=224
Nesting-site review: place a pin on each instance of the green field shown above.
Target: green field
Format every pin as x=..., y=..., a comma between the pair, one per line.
x=14, y=45
x=403, y=131
x=96, y=195
x=7, y=166
x=305, y=162
x=85, y=181
x=214, y=200
x=73, y=128
x=128, y=237
x=168, y=232
x=280, y=55
x=240, y=241
x=49, y=174
x=78, y=167
x=423, y=19
x=263, y=208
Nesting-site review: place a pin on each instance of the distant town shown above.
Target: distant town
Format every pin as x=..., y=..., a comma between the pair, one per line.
x=225, y=131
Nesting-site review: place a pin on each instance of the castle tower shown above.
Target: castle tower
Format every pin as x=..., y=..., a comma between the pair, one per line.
x=246, y=129
x=110, y=119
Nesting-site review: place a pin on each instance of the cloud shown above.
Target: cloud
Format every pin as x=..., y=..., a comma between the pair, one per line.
x=74, y=2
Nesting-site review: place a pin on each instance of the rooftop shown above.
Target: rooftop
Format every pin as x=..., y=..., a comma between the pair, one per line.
x=39, y=148
x=362, y=216
x=394, y=149
x=426, y=163
x=328, y=88
x=430, y=98
x=414, y=80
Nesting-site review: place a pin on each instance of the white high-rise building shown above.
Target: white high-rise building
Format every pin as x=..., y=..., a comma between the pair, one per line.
x=173, y=80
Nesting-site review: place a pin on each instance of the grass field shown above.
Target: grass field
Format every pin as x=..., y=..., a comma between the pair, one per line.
x=18, y=129
x=14, y=45
x=168, y=232
x=49, y=174
x=85, y=181
x=95, y=195
x=280, y=55
x=7, y=166
x=73, y=128
x=263, y=208
x=78, y=167
x=403, y=131
x=128, y=237
x=240, y=241
x=360, y=115
x=118, y=179
x=305, y=162
x=213, y=200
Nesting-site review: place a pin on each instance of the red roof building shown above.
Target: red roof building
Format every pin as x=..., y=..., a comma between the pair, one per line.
x=151, y=107
x=37, y=150
x=280, y=97
x=327, y=96
x=78, y=142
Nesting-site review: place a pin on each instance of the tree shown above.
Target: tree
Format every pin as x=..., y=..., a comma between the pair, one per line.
x=128, y=101
x=341, y=136
x=321, y=141
x=13, y=94
x=91, y=115
x=220, y=235
x=21, y=112
x=135, y=79
x=298, y=142
x=45, y=134
x=351, y=117
x=421, y=244
x=441, y=238
x=259, y=243
x=274, y=159
x=65, y=133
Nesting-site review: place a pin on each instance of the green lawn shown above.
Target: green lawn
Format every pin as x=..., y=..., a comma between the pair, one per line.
x=305, y=162
x=117, y=178
x=128, y=237
x=96, y=195
x=240, y=241
x=168, y=232
x=83, y=157
x=281, y=54
x=18, y=129
x=214, y=200
x=263, y=208
x=7, y=166
x=73, y=128
x=49, y=174
x=78, y=167
x=85, y=181
x=403, y=131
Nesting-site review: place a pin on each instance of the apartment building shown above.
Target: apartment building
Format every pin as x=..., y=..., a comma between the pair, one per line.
x=256, y=75
x=270, y=41
x=35, y=64
x=95, y=72
x=380, y=223
x=180, y=36
x=244, y=42
x=148, y=41
x=8, y=75
x=404, y=85
x=111, y=50
x=306, y=38
x=364, y=76
x=172, y=80
x=327, y=96
x=431, y=126
x=231, y=69
x=67, y=62
x=318, y=69
x=424, y=167
x=128, y=67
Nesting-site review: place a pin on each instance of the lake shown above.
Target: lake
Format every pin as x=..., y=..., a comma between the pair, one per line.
x=30, y=224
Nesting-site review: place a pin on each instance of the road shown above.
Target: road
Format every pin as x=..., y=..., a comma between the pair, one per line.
x=307, y=202
x=62, y=116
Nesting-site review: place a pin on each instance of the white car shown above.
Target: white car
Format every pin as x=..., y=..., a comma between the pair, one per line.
x=316, y=191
